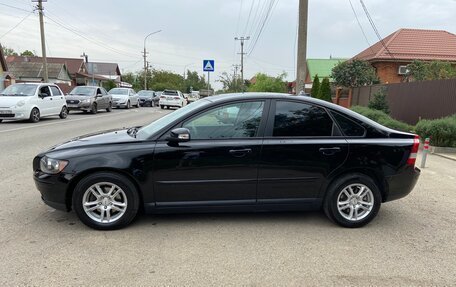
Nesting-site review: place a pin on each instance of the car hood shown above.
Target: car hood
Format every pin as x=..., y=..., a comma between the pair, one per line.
x=77, y=97
x=99, y=138
x=6, y=102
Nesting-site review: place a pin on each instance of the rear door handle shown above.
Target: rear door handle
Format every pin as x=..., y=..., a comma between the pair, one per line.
x=329, y=150
x=240, y=152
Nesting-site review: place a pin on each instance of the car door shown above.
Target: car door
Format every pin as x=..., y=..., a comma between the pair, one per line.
x=100, y=100
x=219, y=165
x=106, y=98
x=57, y=100
x=134, y=98
x=302, y=146
x=45, y=101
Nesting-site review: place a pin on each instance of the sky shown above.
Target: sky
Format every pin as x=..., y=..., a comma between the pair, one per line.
x=194, y=30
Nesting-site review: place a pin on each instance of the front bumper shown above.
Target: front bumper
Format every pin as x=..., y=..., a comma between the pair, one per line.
x=53, y=189
x=80, y=106
x=119, y=104
x=15, y=114
x=401, y=184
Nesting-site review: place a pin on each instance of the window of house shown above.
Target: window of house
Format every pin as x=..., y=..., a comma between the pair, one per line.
x=237, y=120
x=301, y=120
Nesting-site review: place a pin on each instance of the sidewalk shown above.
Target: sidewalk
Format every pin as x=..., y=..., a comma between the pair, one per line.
x=451, y=156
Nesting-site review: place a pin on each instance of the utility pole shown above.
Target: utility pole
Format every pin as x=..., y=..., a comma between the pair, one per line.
x=235, y=68
x=86, y=57
x=145, y=58
x=242, y=39
x=43, y=41
x=301, y=66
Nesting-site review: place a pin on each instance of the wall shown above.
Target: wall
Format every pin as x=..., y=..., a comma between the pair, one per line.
x=387, y=72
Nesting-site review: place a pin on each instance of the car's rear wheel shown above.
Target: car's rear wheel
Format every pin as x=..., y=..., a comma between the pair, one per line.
x=162, y=107
x=105, y=201
x=63, y=113
x=93, y=108
x=352, y=200
x=34, y=115
x=109, y=108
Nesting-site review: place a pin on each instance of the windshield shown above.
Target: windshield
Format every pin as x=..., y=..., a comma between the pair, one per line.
x=149, y=130
x=171, y=93
x=118, y=91
x=20, y=90
x=145, y=93
x=83, y=91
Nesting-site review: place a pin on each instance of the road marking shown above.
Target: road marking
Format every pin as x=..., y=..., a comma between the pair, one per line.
x=61, y=122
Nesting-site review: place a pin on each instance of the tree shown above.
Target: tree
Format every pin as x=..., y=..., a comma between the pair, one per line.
x=28, y=53
x=427, y=71
x=9, y=52
x=379, y=101
x=315, y=86
x=110, y=84
x=354, y=73
x=194, y=81
x=324, y=92
x=162, y=80
x=230, y=83
x=265, y=83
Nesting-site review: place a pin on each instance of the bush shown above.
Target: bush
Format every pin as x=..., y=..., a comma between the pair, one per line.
x=441, y=131
x=325, y=91
x=315, y=87
x=382, y=118
x=379, y=102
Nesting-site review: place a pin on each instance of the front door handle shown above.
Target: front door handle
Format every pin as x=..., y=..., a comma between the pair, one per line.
x=240, y=152
x=329, y=150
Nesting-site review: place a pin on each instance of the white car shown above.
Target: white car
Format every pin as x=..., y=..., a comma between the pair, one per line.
x=32, y=101
x=124, y=98
x=172, y=98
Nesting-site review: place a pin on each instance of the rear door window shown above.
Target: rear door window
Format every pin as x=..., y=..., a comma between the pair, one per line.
x=55, y=91
x=348, y=127
x=294, y=119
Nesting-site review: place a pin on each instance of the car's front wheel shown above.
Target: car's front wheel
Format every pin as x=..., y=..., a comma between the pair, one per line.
x=109, y=108
x=34, y=115
x=63, y=113
x=352, y=200
x=105, y=201
x=93, y=109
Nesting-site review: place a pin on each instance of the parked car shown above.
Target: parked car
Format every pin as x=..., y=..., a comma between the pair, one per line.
x=237, y=152
x=148, y=98
x=193, y=97
x=172, y=98
x=32, y=101
x=124, y=98
x=89, y=99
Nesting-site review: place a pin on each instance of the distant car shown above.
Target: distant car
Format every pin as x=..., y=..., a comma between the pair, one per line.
x=234, y=153
x=89, y=99
x=124, y=98
x=148, y=98
x=32, y=101
x=172, y=98
x=193, y=97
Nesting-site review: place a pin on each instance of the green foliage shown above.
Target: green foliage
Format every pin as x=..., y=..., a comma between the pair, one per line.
x=426, y=71
x=325, y=91
x=133, y=79
x=194, y=81
x=230, y=83
x=265, y=83
x=110, y=84
x=382, y=118
x=441, y=131
x=9, y=52
x=315, y=87
x=28, y=53
x=379, y=102
x=354, y=73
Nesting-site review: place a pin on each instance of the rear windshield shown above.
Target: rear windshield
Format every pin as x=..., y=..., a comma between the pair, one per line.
x=117, y=91
x=170, y=93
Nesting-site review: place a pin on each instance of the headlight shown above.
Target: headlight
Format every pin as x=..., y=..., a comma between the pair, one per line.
x=52, y=166
x=86, y=101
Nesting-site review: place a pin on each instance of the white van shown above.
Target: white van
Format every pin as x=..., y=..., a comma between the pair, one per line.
x=32, y=101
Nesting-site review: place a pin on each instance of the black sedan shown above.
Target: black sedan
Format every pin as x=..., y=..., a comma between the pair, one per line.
x=148, y=98
x=237, y=152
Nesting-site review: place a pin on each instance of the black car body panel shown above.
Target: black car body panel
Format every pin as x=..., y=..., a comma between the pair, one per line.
x=261, y=173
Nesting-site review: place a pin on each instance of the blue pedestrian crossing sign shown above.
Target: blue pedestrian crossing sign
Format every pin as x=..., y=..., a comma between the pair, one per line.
x=208, y=65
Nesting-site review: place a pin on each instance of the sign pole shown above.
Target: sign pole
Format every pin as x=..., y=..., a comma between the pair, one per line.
x=208, y=77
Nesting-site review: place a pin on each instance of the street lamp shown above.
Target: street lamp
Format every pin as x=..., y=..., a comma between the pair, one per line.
x=145, y=58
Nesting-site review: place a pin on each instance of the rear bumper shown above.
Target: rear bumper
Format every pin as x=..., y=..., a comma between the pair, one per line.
x=170, y=103
x=401, y=184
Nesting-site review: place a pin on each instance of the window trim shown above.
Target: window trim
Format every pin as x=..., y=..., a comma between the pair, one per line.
x=261, y=127
x=271, y=119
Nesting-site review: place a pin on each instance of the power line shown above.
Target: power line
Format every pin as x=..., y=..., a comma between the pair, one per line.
x=268, y=14
x=248, y=18
x=375, y=29
x=14, y=7
x=17, y=25
x=361, y=27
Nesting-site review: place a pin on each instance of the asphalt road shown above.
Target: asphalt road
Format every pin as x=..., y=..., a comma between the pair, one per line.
x=412, y=242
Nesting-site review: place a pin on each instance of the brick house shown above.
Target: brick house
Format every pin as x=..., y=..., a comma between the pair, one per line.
x=406, y=45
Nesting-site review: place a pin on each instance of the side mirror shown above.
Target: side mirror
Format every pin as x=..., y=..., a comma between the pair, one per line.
x=179, y=135
x=99, y=95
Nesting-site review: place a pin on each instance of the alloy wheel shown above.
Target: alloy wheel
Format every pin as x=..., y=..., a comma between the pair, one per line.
x=355, y=202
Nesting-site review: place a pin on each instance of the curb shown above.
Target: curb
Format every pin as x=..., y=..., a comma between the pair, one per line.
x=445, y=156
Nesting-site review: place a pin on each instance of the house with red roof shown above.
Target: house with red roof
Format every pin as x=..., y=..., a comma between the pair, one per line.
x=391, y=55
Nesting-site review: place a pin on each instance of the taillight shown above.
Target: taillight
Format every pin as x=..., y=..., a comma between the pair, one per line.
x=412, y=158
x=162, y=97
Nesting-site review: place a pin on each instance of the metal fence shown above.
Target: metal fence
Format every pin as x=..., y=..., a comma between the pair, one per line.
x=410, y=102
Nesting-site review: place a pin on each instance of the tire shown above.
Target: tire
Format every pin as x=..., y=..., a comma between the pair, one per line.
x=137, y=105
x=63, y=113
x=162, y=107
x=1, y=120
x=152, y=104
x=34, y=115
x=109, y=108
x=167, y=107
x=128, y=105
x=93, y=108
x=122, y=208
x=359, y=209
